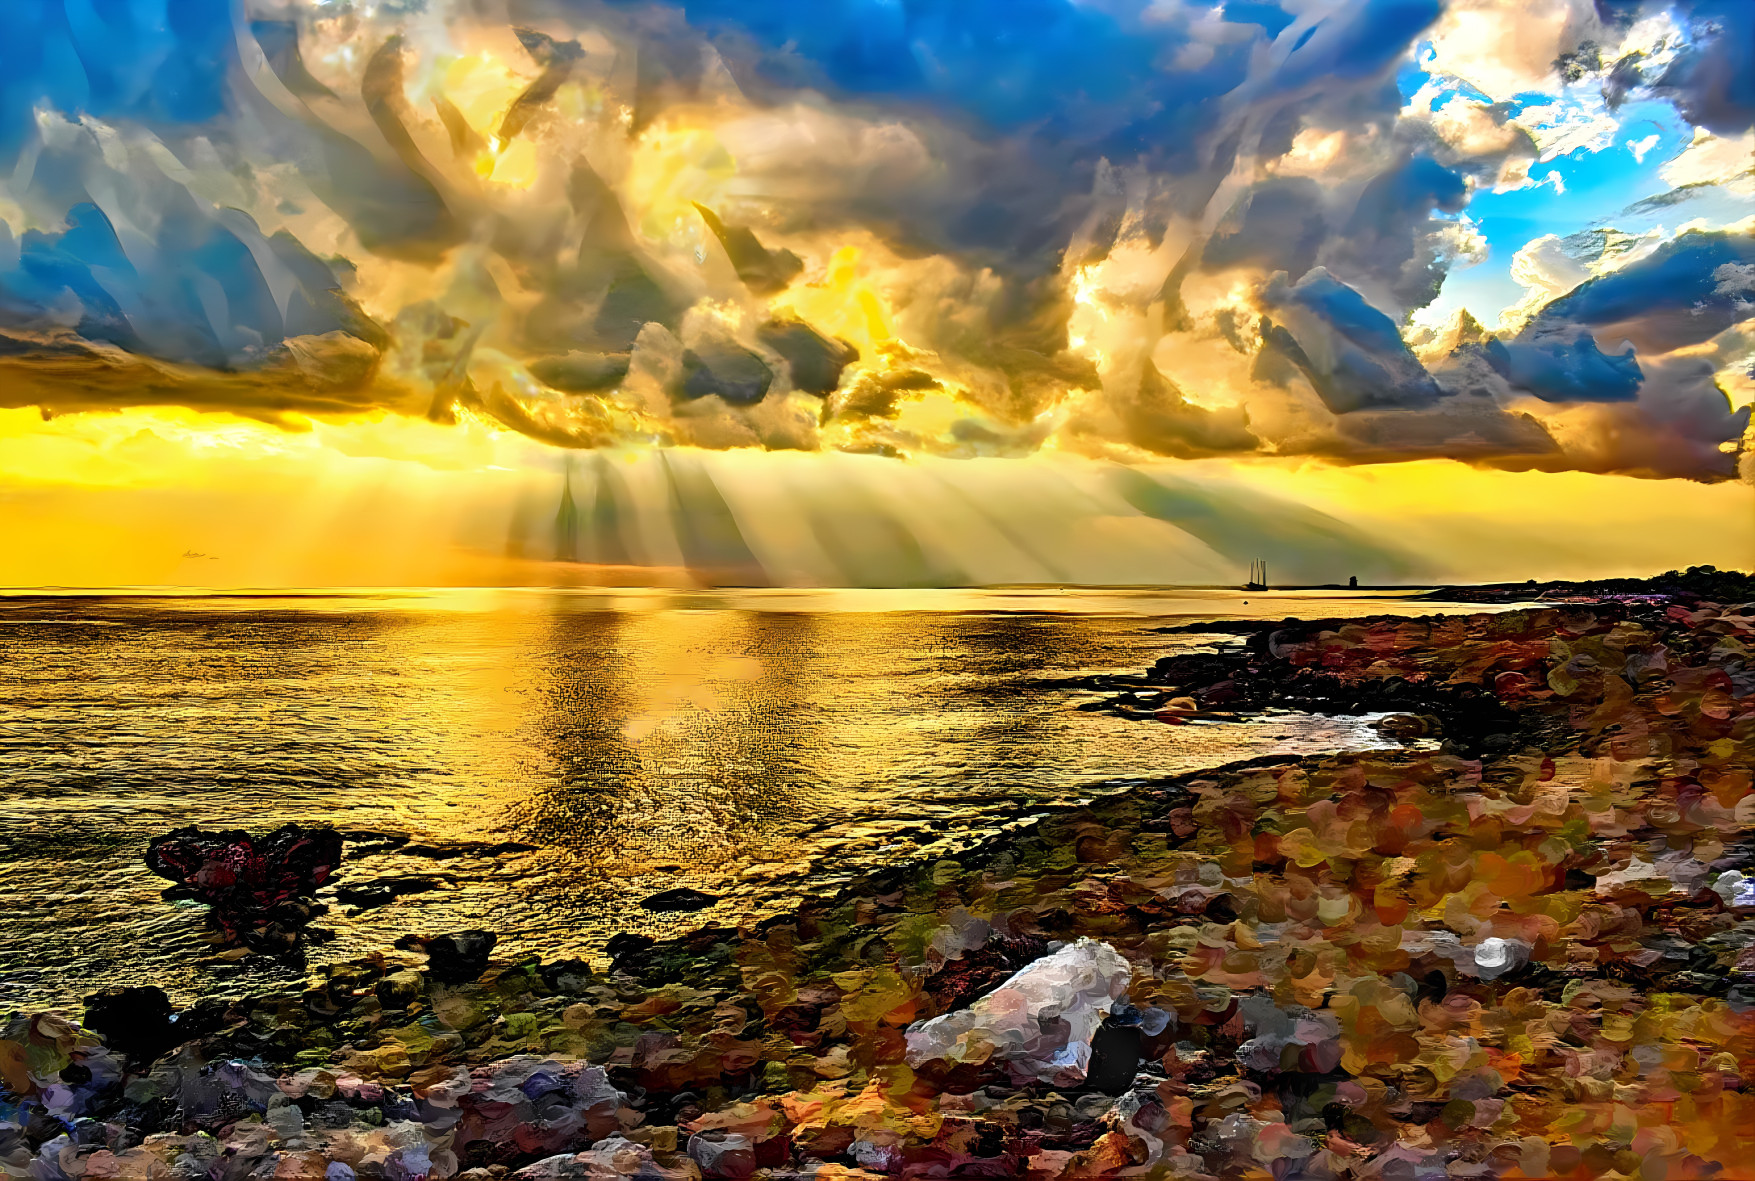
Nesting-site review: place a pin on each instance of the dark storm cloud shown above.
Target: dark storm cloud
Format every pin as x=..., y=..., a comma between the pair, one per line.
x=330, y=374
x=1566, y=367
x=211, y=291
x=1685, y=292
x=1682, y=425
x=1712, y=80
x=1278, y=226
x=209, y=186
x=1034, y=95
x=1352, y=354
x=1388, y=236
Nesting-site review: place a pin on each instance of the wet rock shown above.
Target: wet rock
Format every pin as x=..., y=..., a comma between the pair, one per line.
x=138, y=1022
x=723, y=1154
x=1409, y=727
x=572, y=976
x=460, y=956
x=681, y=898
x=383, y=891
x=257, y=886
x=466, y=849
x=246, y=874
x=398, y=990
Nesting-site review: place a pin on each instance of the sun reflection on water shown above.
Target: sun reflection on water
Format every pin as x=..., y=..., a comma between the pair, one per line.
x=549, y=760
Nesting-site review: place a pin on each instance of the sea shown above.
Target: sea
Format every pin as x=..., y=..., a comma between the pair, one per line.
x=539, y=763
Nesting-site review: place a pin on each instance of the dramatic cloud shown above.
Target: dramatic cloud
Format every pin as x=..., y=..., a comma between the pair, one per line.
x=1351, y=352
x=953, y=227
x=1683, y=293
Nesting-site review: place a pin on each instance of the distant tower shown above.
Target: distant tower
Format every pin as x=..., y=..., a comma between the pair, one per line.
x=567, y=520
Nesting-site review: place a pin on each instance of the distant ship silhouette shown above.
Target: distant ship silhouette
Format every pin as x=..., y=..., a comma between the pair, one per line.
x=1257, y=575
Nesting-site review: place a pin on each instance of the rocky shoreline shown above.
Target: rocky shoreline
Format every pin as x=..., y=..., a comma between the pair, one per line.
x=1523, y=945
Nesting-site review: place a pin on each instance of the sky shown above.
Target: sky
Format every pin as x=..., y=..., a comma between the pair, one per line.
x=873, y=292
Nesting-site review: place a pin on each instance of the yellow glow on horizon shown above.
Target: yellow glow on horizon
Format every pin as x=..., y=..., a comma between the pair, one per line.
x=373, y=500
x=1559, y=524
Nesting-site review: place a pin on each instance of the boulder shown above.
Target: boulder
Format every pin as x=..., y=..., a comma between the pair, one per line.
x=609, y=1160
x=1038, y=1023
x=138, y=1022
x=461, y=956
x=727, y=1155
x=681, y=898
x=235, y=871
x=259, y=887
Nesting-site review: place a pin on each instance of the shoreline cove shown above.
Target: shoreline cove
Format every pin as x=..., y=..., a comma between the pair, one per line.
x=1519, y=944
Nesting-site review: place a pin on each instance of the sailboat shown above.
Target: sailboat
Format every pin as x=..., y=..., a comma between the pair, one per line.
x=1257, y=575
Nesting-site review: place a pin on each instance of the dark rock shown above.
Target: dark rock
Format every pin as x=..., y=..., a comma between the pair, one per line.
x=138, y=1022
x=1115, y=1058
x=816, y=360
x=365, y=897
x=1409, y=727
x=236, y=871
x=446, y=853
x=625, y=947
x=466, y=849
x=960, y=982
x=681, y=898
x=383, y=891
x=460, y=956
x=255, y=885
x=726, y=368
x=570, y=976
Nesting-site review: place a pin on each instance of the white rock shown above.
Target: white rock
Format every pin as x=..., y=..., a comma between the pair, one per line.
x=608, y=1160
x=1493, y=957
x=1039, y=1022
x=1735, y=888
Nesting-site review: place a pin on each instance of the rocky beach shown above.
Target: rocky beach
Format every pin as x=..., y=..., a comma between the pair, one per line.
x=1520, y=945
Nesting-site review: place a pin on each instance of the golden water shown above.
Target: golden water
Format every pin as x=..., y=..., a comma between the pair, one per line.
x=751, y=744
